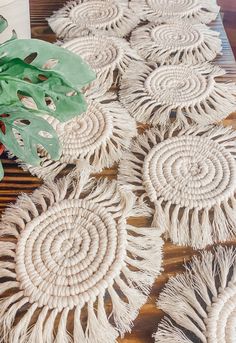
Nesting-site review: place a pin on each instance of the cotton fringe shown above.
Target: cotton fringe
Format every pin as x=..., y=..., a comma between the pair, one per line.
x=83, y=17
x=201, y=303
x=189, y=175
x=176, y=42
x=108, y=56
x=62, y=278
x=156, y=94
x=98, y=138
x=196, y=11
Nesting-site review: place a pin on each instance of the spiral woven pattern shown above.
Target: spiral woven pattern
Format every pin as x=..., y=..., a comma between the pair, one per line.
x=72, y=253
x=195, y=11
x=190, y=172
x=99, y=137
x=84, y=134
x=69, y=254
x=177, y=85
x=80, y=17
x=108, y=56
x=201, y=303
x=173, y=41
x=189, y=176
x=154, y=93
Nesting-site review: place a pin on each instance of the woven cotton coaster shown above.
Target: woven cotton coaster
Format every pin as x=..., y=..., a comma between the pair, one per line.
x=153, y=93
x=189, y=175
x=108, y=56
x=99, y=138
x=175, y=42
x=80, y=17
x=196, y=11
x=73, y=252
x=201, y=303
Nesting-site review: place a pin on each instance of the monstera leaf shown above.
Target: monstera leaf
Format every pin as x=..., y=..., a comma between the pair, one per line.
x=24, y=132
x=19, y=78
x=52, y=78
x=45, y=56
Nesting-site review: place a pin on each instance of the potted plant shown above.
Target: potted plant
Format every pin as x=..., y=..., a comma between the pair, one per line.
x=52, y=78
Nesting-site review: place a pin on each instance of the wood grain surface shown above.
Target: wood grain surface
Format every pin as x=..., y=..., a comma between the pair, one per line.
x=17, y=181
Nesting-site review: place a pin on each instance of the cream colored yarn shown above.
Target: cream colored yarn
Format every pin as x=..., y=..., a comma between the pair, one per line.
x=154, y=93
x=70, y=252
x=189, y=175
x=196, y=11
x=201, y=303
x=99, y=137
x=81, y=17
x=108, y=56
x=176, y=41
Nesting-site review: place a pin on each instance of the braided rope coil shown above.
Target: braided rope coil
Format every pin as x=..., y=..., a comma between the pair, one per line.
x=201, y=303
x=195, y=11
x=109, y=57
x=176, y=42
x=154, y=93
x=189, y=175
x=82, y=17
x=73, y=251
x=97, y=138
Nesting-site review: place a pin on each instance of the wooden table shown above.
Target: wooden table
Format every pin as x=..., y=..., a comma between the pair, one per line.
x=17, y=181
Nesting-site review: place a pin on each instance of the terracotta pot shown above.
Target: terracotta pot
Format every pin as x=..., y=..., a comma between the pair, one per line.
x=17, y=14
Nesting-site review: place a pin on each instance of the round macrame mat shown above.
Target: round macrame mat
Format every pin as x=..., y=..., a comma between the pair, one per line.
x=73, y=268
x=196, y=11
x=99, y=137
x=155, y=93
x=109, y=57
x=201, y=303
x=176, y=42
x=81, y=17
x=189, y=177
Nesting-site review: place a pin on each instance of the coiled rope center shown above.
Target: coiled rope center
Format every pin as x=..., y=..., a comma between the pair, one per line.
x=69, y=254
x=178, y=85
x=189, y=171
x=96, y=13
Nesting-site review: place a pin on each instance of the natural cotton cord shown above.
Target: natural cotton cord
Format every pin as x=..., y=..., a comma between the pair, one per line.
x=70, y=253
x=81, y=17
x=109, y=57
x=201, y=303
x=99, y=137
x=154, y=93
x=196, y=11
x=176, y=41
x=189, y=175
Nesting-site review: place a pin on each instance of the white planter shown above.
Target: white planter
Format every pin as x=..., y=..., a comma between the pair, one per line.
x=17, y=14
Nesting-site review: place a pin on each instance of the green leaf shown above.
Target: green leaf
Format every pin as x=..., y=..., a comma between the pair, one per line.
x=17, y=77
x=24, y=131
x=61, y=62
x=3, y=24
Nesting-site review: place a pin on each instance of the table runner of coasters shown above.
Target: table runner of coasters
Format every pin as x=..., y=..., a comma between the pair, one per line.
x=73, y=268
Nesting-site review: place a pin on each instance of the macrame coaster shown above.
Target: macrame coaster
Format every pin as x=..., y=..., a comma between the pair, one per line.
x=108, y=56
x=81, y=17
x=70, y=252
x=176, y=42
x=189, y=175
x=99, y=137
x=201, y=303
x=153, y=93
x=196, y=11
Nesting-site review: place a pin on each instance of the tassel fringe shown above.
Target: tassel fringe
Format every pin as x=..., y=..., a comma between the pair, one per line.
x=200, y=303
